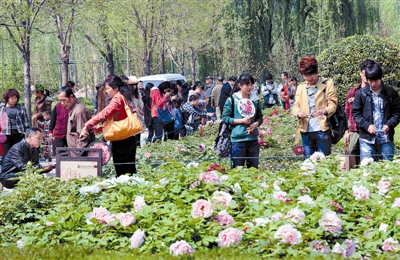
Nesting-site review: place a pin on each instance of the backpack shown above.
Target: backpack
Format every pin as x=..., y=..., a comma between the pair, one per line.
x=223, y=143
x=337, y=123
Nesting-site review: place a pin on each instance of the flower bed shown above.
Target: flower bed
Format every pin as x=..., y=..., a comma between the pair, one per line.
x=316, y=209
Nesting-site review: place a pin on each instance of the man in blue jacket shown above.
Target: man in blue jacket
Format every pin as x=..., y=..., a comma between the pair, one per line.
x=376, y=109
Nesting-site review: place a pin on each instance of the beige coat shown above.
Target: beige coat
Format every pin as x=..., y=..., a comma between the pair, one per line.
x=78, y=115
x=215, y=95
x=325, y=99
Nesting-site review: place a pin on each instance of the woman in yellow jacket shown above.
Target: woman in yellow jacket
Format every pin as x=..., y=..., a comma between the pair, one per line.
x=315, y=101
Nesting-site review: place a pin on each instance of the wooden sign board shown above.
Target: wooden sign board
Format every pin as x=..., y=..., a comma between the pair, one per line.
x=74, y=163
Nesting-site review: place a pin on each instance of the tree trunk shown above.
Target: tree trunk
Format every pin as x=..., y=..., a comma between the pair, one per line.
x=182, y=64
x=193, y=57
x=27, y=77
x=110, y=63
x=147, y=63
x=162, y=57
x=65, y=50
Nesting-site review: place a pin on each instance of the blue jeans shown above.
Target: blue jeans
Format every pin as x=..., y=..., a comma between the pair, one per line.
x=376, y=151
x=316, y=142
x=246, y=154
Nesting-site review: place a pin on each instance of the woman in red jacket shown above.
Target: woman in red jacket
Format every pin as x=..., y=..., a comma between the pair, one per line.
x=160, y=97
x=124, y=151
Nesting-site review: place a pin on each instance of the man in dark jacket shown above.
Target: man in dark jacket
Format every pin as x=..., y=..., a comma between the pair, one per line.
x=226, y=92
x=376, y=109
x=19, y=154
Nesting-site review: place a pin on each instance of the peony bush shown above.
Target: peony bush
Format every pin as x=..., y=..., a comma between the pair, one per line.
x=327, y=212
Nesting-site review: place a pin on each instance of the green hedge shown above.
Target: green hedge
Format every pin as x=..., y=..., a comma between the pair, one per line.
x=342, y=61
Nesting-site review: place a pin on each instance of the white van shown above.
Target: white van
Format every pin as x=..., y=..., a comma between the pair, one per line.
x=157, y=79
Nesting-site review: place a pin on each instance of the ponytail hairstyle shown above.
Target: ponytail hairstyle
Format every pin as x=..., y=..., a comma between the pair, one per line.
x=115, y=82
x=243, y=79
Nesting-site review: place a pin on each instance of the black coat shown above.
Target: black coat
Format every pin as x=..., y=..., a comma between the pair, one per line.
x=17, y=157
x=225, y=94
x=363, y=110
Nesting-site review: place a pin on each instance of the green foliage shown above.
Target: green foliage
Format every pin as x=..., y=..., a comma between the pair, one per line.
x=11, y=76
x=341, y=61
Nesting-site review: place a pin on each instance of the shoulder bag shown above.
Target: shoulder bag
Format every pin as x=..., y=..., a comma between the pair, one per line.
x=164, y=116
x=121, y=130
x=223, y=143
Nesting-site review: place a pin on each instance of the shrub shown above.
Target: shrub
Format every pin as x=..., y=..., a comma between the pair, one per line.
x=341, y=61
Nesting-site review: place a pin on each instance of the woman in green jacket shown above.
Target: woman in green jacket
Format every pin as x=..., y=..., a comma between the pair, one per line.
x=246, y=117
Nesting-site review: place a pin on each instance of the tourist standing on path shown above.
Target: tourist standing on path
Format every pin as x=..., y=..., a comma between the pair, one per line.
x=78, y=115
x=226, y=92
x=124, y=151
x=159, y=98
x=376, y=109
x=215, y=95
x=316, y=101
x=208, y=89
x=269, y=90
x=282, y=88
x=18, y=120
x=42, y=103
x=292, y=91
x=351, y=137
x=244, y=136
x=148, y=120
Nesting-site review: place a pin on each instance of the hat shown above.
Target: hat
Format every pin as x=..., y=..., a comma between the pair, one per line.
x=209, y=77
x=220, y=78
x=133, y=80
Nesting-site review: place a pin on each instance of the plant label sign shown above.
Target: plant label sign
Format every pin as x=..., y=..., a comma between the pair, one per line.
x=74, y=163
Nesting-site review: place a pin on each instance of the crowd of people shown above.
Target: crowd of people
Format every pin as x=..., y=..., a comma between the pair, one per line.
x=372, y=108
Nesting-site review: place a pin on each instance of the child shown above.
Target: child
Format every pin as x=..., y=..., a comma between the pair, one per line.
x=47, y=142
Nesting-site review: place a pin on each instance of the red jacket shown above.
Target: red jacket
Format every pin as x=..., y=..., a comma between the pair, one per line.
x=157, y=101
x=116, y=108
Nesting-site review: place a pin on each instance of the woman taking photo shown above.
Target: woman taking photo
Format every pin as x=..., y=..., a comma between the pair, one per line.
x=124, y=151
x=18, y=121
x=42, y=103
x=246, y=117
x=315, y=101
x=160, y=98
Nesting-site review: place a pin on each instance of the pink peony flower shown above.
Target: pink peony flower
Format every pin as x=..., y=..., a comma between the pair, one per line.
x=137, y=238
x=317, y=156
x=361, y=192
x=383, y=227
x=194, y=185
x=209, y=176
x=383, y=186
x=339, y=208
x=49, y=223
x=201, y=208
x=295, y=215
x=275, y=112
x=308, y=167
x=262, y=143
x=147, y=155
x=202, y=147
x=266, y=119
x=101, y=214
x=389, y=244
x=367, y=217
x=330, y=222
x=277, y=216
x=288, y=234
x=320, y=246
x=224, y=178
x=223, y=218
x=397, y=222
x=396, y=203
x=346, y=249
x=139, y=203
x=366, y=161
x=126, y=219
x=180, y=247
x=20, y=244
x=110, y=220
x=269, y=132
x=261, y=221
x=229, y=236
x=221, y=197
x=306, y=199
x=281, y=195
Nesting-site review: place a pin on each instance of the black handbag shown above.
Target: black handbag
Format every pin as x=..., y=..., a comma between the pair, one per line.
x=223, y=143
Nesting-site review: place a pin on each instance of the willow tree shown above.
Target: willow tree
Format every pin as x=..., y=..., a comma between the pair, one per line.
x=19, y=19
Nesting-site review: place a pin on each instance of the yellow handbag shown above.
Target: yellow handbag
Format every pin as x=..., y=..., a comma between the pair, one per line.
x=121, y=130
